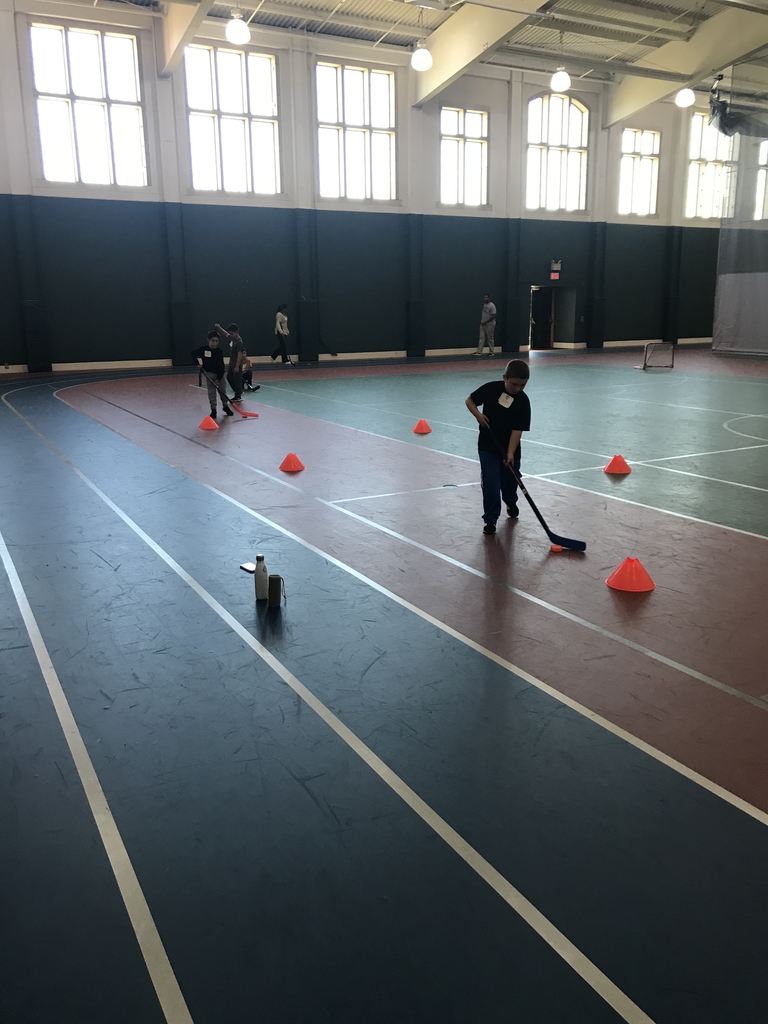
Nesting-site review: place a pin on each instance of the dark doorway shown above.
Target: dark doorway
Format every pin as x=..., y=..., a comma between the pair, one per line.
x=542, y=317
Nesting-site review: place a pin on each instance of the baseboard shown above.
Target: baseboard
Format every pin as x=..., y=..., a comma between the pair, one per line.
x=569, y=344
x=655, y=341
x=326, y=356
x=116, y=364
x=694, y=341
x=14, y=368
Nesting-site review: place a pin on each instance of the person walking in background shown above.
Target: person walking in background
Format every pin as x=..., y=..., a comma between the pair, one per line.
x=210, y=359
x=236, y=356
x=281, y=332
x=487, y=326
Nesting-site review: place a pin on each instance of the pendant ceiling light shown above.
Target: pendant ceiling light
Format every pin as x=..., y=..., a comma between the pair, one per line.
x=421, y=58
x=560, y=81
x=237, y=32
x=685, y=98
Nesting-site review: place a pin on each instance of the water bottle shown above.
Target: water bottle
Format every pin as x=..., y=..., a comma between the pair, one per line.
x=261, y=579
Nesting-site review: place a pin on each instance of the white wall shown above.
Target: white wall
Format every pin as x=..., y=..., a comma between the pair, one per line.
x=503, y=92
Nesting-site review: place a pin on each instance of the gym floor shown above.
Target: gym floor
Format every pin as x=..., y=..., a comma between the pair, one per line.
x=455, y=778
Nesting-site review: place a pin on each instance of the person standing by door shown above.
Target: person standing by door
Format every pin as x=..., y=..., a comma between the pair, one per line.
x=281, y=333
x=487, y=327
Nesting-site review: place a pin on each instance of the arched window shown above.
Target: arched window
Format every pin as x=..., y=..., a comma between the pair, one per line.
x=556, y=178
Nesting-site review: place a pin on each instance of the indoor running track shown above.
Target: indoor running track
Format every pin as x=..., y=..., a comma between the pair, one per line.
x=344, y=812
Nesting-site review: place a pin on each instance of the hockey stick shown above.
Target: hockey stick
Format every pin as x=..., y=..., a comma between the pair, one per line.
x=228, y=401
x=564, y=542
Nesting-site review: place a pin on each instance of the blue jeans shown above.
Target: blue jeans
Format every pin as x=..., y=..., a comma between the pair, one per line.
x=497, y=483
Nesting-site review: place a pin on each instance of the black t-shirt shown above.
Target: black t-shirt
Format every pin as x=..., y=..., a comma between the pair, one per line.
x=513, y=412
x=213, y=360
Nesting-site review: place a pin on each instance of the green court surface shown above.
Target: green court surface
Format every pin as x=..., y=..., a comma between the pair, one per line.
x=697, y=442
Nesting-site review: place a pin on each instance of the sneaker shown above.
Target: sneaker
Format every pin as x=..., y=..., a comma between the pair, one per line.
x=228, y=411
x=477, y=353
x=489, y=528
x=513, y=511
x=213, y=414
x=237, y=398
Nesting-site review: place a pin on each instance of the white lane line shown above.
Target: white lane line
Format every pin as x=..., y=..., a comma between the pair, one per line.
x=160, y=971
x=740, y=433
x=563, y=472
x=631, y=644
x=700, y=476
x=533, y=917
x=604, y=723
x=692, y=408
x=594, y=627
x=698, y=455
x=397, y=494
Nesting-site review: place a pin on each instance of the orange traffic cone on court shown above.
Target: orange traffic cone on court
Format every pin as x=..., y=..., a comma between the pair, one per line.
x=292, y=464
x=631, y=576
x=208, y=424
x=617, y=466
x=422, y=427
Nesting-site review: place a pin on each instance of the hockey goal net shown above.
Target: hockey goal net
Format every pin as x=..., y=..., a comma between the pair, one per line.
x=659, y=355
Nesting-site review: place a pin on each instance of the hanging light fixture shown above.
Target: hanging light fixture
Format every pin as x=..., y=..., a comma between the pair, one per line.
x=685, y=98
x=237, y=32
x=560, y=81
x=421, y=58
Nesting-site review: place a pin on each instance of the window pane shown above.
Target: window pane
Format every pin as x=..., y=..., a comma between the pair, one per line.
x=56, y=140
x=92, y=137
x=709, y=137
x=697, y=123
x=229, y=67
x=643, y=187
x=199, y=77
x=449, y=121
x=692, y=193
x=760, y=193
x=327, y=94
x=128, y=146
x=625, y=184
x=261, y=84
x=584, y=129
x=48, y=62
x=707, y=188
x=648, y=143
x=354, y=152
x=381, y=114
x=329, y=145
x=554, y=158
x=627, y=141
x=535, y=108
x=202, y=145
x=354, y=96
x=449, y=171
x=234, y=154
x=763, y=154
x=266, y=162
x=122, y=70
x=573, y=187
x=473, y=124
x=473, y=173
x=85, y=63
x=533, y=178
x=654, y=185
x=574, y=126
x=555, y=133
x=382, y=183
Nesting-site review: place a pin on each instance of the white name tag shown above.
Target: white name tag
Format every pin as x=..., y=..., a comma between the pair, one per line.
x=505, y=400
x=207, y=353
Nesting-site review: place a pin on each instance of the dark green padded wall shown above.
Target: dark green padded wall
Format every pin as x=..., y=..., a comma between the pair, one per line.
x=12, y=348
x=635, y=281
x=104, y=276
x=131, y=280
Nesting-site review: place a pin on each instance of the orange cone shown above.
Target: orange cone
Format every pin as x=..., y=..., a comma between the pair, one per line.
x=292, y=464
x=208, y=424
x=422, y=427
x=617, y=466
x=631, y=576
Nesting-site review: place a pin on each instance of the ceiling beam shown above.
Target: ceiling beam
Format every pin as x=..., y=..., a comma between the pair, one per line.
x=180, y=23
x=320, y=15
x=531, y=58
x=466, y=36
x=729, y=36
